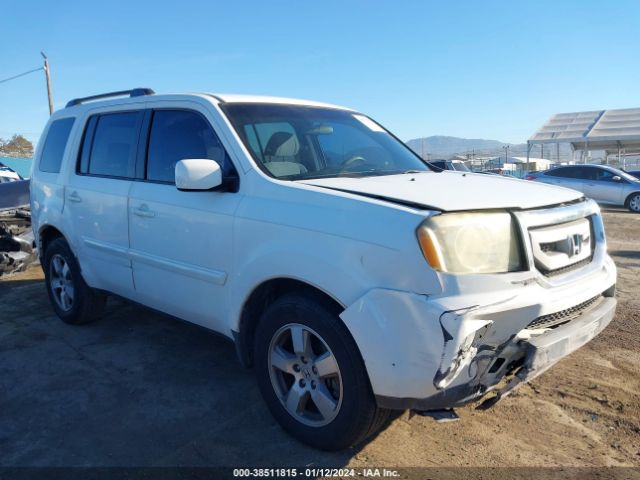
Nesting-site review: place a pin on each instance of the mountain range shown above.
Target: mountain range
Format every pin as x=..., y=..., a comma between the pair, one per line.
x=439, y=146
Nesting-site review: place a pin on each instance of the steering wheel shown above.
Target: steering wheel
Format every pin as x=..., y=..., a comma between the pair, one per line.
x=355, y=159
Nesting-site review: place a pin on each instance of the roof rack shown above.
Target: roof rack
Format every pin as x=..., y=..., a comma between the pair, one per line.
x=136, y=92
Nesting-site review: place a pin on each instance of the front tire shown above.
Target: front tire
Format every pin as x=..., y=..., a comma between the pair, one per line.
x=311, y=375
x=72, y=299
x=633, y=203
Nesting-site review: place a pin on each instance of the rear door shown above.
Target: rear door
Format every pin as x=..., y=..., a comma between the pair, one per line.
x=96, y=199
x=181, y=242
x=600, y=186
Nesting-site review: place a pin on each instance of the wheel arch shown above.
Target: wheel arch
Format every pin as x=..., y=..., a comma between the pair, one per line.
x=46, y=234
x=263, y=295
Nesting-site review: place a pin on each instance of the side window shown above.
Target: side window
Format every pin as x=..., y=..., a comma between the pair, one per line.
x=567, y=172
x=583, y=173
x=559, y=172
x=55, y=144
x=604, y=175
x=114, y=144
x=177, y=135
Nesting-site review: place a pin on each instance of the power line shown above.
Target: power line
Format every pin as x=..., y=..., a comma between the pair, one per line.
x=47, y=74
x=22, y=74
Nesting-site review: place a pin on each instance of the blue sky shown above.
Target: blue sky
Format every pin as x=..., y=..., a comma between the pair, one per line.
x=477, y=69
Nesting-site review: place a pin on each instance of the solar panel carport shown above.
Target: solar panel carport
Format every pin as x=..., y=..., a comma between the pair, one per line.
x=614, y=131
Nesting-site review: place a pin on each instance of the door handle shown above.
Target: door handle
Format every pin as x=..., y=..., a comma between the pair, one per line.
x=143, y=211
x=74, y=197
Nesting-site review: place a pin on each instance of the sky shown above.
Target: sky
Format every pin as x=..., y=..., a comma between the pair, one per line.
x=477, y=69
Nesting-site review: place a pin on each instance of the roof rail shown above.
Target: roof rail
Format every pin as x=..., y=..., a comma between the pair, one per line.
x=135, y=92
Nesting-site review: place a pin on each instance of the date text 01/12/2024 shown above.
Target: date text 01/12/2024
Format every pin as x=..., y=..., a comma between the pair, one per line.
x=315, y=472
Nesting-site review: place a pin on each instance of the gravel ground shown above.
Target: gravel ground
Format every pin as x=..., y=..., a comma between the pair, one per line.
x=138, y=388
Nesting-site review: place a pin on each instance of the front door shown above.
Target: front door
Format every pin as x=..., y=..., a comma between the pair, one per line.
x=181, y=242
x=601, y=187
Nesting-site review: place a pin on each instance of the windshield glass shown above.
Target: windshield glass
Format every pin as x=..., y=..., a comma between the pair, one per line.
x=293, y=142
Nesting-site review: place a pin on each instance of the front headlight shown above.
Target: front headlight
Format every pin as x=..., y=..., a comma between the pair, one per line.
x=471, y=243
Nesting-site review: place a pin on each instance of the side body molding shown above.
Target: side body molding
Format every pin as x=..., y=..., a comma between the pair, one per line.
x=127, y=254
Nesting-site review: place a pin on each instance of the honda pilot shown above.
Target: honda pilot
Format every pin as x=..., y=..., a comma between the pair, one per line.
x=352, y=276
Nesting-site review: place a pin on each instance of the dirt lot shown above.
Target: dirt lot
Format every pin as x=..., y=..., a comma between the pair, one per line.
x=138, y=388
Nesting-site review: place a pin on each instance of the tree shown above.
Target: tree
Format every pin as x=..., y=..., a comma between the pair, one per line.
x=17, y=146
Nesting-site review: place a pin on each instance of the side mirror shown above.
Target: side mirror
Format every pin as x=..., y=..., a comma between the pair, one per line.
x=616, y=178
x=198, y=174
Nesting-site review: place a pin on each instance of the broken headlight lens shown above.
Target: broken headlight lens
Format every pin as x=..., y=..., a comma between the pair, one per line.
x=471, y=243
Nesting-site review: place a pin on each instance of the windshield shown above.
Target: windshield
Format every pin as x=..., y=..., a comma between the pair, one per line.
x=293, y=142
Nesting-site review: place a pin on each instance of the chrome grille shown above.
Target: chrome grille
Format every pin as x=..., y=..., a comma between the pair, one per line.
x=562, y=247
x=533, y=221
x=546, y=247
x=569, y=268
x=563, y=316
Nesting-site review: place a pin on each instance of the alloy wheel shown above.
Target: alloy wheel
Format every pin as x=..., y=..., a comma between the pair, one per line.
x=61, y=282
x=305, y=375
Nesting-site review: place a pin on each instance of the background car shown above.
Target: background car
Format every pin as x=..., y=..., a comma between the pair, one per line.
x=493, y=171
x=457, y=165
x=606, y=185
x=634, y=173
x=8, y=174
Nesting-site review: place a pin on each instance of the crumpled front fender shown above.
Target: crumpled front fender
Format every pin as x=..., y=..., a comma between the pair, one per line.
x=410, y=346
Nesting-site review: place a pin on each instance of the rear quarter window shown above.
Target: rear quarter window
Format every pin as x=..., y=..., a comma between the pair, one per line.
x=55, y=144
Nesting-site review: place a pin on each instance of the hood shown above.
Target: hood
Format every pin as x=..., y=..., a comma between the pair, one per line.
x=451, y=191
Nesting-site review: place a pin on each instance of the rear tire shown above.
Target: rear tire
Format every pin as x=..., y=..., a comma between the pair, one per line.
x=72, y=299
x=633, y=203
x=333, y=406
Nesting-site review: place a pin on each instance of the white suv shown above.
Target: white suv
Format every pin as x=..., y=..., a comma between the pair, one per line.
x=352, y=276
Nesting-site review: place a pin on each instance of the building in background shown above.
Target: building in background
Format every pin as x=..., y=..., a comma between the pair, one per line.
x=519, y=165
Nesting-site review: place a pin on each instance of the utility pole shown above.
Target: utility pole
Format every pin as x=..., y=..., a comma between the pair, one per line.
x=47, y=73
x=506, y=153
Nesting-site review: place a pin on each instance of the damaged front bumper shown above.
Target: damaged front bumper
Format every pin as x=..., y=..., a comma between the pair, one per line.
x=545, y=350
x=427, y=354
